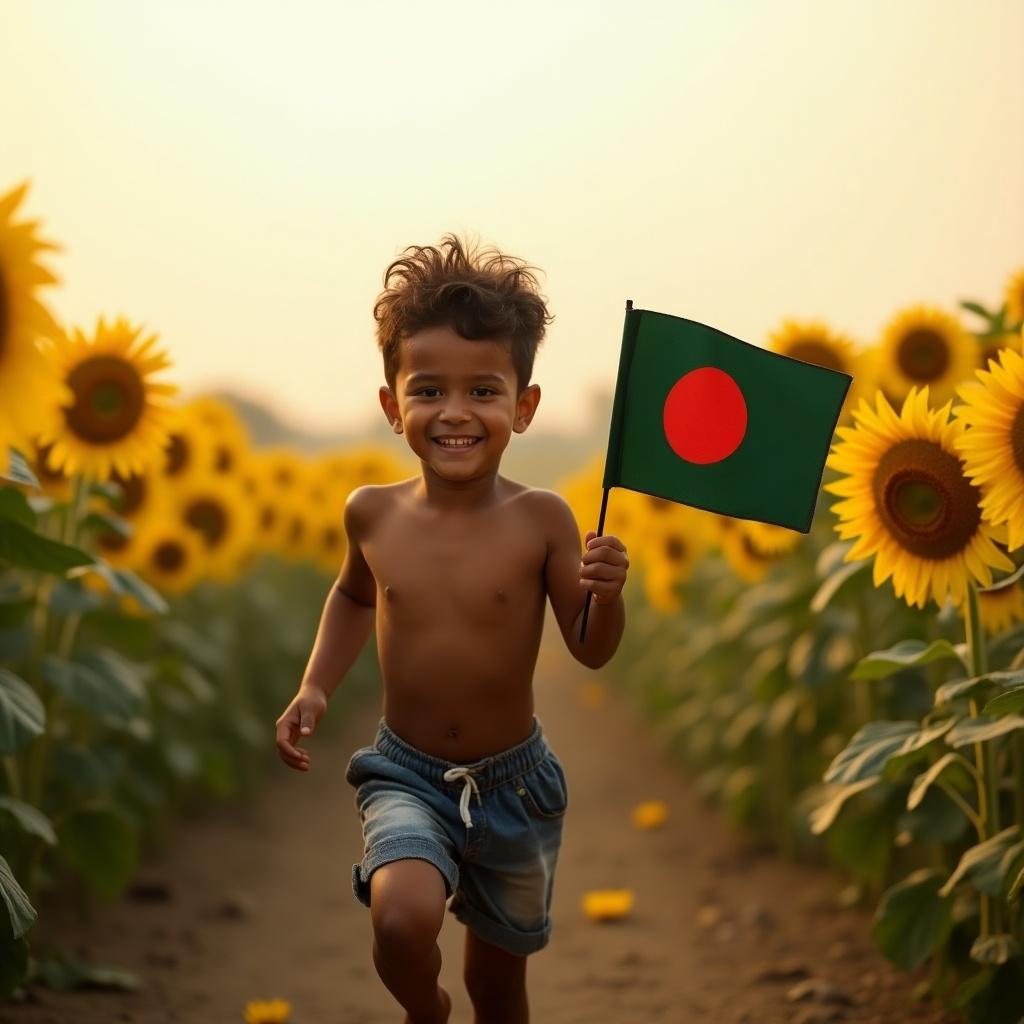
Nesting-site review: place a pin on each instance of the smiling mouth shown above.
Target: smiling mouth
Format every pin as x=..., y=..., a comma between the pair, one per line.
x=456, y=444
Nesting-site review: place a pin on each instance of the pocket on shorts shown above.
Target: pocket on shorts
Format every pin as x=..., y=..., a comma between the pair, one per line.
x=543, y=789
x=352, y=776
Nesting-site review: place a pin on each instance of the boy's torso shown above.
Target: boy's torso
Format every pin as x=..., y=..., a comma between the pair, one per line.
x=460, y=613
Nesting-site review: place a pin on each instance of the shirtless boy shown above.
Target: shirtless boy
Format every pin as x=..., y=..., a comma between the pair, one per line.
x=459, y=795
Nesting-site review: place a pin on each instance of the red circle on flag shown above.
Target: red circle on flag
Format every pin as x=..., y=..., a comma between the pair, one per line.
x=705, y=416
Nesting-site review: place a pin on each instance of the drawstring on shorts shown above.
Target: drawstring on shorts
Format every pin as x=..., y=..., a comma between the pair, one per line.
x=466, y=774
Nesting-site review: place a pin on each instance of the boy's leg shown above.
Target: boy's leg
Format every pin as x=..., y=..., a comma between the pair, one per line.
x=407, y=900
x=496, y=982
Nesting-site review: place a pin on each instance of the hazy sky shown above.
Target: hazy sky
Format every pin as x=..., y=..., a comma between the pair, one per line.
x=237, y=176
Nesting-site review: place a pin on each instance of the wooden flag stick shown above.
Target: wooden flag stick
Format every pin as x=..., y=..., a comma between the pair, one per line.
x=590, y=593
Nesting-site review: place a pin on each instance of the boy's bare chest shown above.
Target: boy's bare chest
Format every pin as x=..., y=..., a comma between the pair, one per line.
x=466, y=569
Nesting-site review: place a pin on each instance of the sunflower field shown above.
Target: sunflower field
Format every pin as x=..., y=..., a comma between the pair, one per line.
x=160, y=585
x=857, y=694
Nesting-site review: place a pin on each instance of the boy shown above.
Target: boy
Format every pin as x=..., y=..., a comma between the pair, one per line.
x=460, y=796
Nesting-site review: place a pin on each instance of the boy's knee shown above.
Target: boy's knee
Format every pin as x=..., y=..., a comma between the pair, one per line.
x=407, y=905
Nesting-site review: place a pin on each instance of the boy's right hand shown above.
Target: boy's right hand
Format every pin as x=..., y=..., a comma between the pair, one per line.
x=299, y=719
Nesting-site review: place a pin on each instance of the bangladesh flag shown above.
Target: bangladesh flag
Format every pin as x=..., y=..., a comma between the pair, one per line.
x=707, y=420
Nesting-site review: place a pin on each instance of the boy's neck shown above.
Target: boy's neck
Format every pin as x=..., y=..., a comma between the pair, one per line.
x=456, y=495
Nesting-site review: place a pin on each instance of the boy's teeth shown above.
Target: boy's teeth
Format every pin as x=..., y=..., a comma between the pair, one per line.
x=457, y=444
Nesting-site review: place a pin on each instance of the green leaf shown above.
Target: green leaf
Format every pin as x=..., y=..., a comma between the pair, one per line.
x=925, y=780
x=871, y=748
x=31, y=820
x=26, y=549
x=107, y=523
x=14, y=505
x=955, y=688
x=977, y=307
x=102, y=846
x=109, y=490
x=984, y=865
x=904, y=654
x=20, y=911
x=994, y=949
x=823, y=815
x=19, y=470
x=980, y=729
x=913, y=919
x=99, y=682
x=1008, y=703
x=834, y=583
x=1016, y=886
x=121, y=581
x=66, y=972
x=22, y=716
x=972, y=986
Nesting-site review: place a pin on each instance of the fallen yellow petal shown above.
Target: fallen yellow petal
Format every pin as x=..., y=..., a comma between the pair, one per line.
x=274, y=1011
x=607, y=904
x=650, y=814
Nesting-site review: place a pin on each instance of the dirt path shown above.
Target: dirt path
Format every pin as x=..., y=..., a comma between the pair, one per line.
x=260, y=906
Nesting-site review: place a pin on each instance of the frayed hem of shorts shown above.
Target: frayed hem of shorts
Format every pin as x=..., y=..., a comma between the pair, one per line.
x=401, y=848
x=511, y=940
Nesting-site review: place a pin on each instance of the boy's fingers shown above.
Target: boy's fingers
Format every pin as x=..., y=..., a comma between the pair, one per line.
x=601, y=571
x=608, y=540
x=604, y=554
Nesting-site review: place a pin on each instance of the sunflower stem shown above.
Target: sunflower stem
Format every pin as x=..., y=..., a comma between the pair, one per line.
x=988, y=793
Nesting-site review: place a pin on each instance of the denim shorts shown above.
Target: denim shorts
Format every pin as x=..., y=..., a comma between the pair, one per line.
x=492, y=827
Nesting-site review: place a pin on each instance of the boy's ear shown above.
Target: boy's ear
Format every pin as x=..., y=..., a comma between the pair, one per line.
x=526, y=406
x=389, y=404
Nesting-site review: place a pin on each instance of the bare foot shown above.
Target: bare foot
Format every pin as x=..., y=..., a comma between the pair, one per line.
x=444, y=1009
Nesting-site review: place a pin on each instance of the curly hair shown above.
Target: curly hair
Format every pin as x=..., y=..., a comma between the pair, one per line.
x=481, y=295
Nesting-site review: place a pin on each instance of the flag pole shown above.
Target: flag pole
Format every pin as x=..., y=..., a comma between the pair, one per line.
x=600, y=529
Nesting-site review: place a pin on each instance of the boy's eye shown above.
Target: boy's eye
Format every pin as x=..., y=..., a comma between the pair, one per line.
x=423, y=391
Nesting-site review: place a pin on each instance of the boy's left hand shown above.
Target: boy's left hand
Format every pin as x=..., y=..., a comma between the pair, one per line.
x=604, y=565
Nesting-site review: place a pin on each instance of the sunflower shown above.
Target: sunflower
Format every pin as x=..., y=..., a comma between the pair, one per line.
x=52, y=481
x=1015, y=299
x=771, y=539
x=661, y=589
x=607, y=904
x=117, y=416
x=813, y=341
x=228, y=437
x=189, y=449
x=214, y=508
x=993, y=446
x=169, y=556
x=27, y=382
x=999, y=608
x=923, y=346
x=746, y=559
x=372, y=465
x=909, y=502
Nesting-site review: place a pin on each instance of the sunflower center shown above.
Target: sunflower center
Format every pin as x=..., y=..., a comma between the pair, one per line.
x=225, y=459
x=674, y=549
x=924, y=499
x=658, y=504
x=177, y=452
x=108, y=540
x=169, y=556
x=753, y=552
x=923, y=354
x=109, y=399
x=817, y=352
x=208, y=517
x=1017, y=438
x=296, y=531
x=267, y=517
x=133, y=492
x=332, y=537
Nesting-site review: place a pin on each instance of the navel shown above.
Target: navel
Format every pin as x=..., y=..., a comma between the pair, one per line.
x=502, y=596
x=453, y=732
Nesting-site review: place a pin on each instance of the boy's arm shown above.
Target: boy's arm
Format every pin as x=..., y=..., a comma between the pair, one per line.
x=350, y=609
x=569, y=573
x=348, y=616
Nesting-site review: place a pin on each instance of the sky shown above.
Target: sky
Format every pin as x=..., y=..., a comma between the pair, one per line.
x=236, y=176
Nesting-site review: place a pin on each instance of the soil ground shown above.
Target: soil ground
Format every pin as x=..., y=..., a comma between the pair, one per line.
x=259, y=905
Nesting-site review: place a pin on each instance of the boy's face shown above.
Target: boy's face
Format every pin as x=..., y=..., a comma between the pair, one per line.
x=450, y=387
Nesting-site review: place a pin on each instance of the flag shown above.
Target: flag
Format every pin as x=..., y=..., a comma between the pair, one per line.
x=705, y=419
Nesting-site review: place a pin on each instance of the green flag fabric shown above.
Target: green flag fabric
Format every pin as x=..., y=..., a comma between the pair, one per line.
x=705, y=419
